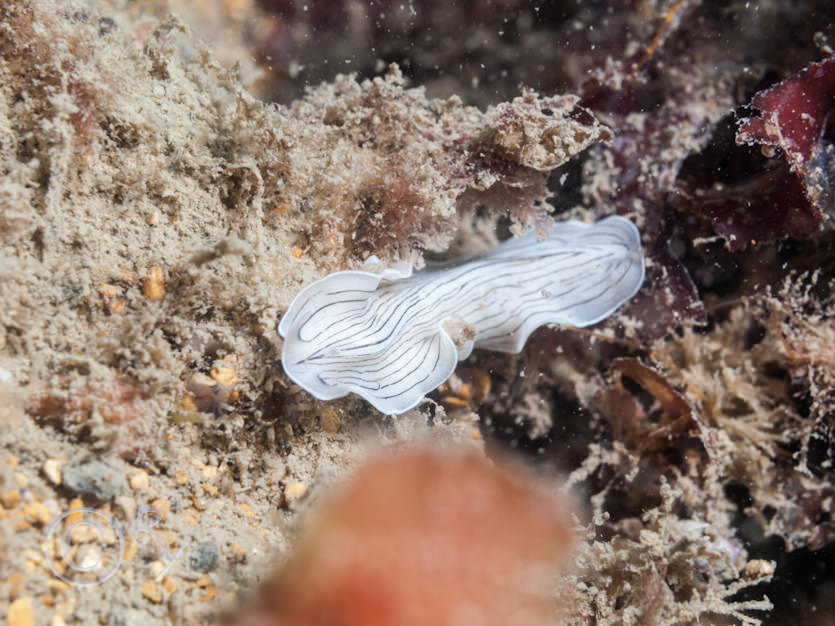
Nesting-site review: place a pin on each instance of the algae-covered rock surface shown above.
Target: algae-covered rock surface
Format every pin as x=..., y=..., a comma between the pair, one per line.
x=173, y=173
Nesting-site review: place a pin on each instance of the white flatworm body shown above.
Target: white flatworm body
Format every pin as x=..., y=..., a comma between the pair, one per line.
x=393, y=337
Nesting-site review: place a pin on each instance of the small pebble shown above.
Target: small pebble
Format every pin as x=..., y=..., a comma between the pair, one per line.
x=199, y=379
x=153, y=286
x=52, y=471
x=224, y=375
x=127, y=506
x=139, y=481
x=77, y=516
x=157, y=567
x=187, y=403
x=101, y=479
x=108, y=291
x=294, y=492
x=163, y=505
x=16, y=581
x=10, y=499
x=204, y=557
x=331, y=423
x=238, y=552
x=21, y=612
x=151, y=591
x=39, y=512
x=57, y=587
x=209, y=472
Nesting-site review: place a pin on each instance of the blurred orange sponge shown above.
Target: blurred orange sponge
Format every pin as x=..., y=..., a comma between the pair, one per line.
x=424, y=537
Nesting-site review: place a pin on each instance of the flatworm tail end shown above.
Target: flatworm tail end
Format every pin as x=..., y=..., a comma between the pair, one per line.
x=578, y=277
x=619, y=273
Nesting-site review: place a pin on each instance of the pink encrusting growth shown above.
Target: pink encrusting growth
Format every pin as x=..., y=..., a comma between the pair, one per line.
x=421, y=537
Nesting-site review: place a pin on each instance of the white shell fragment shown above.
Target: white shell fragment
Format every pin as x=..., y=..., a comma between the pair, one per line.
x=392, y=338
